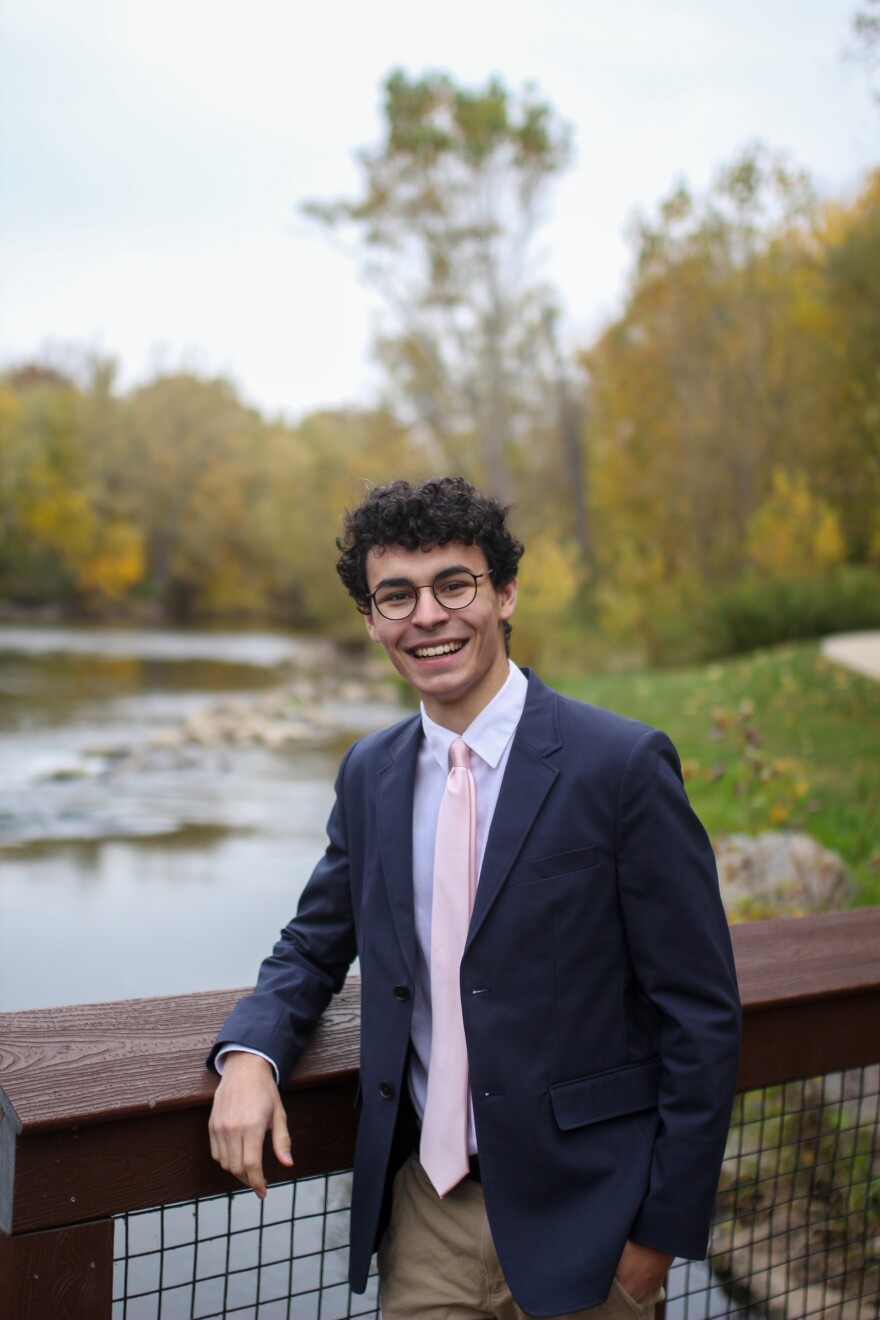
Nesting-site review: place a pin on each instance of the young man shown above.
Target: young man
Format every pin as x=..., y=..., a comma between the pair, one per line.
x=555, y=1088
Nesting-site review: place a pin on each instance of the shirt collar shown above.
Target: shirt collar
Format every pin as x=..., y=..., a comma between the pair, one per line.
x=490, y=732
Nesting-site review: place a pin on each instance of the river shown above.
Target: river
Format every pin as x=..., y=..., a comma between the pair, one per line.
x=138, y=861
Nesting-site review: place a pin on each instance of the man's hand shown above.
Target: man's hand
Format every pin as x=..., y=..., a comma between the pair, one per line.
x=640, y=1270
x=246, y=1106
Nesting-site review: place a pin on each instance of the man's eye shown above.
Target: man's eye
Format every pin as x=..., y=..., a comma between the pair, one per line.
x=454, y=587
x=396, y=597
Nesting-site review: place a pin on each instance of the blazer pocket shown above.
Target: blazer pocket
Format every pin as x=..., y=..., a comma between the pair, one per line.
x=606, y=1095
x=560, y=864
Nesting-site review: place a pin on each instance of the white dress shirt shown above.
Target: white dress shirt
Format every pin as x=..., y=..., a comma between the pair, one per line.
x=489, y=738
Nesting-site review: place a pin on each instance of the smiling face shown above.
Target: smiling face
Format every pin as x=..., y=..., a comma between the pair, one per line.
x=455, y=660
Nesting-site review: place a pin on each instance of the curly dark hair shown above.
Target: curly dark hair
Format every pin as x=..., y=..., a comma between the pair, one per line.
x=437, y=511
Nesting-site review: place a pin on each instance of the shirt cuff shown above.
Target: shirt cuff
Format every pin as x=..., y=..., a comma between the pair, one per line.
x=243, y=1049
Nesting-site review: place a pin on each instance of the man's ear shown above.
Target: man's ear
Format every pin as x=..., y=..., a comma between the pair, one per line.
x=371, y=627
x=507, y=598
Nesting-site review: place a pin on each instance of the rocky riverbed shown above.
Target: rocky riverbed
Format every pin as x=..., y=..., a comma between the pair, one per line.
x=307, y=708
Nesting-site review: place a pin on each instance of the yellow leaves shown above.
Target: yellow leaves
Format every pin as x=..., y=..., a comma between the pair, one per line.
x=10, y=411
x=550, y=578
x=722, y=719
x=628, y=587
x=794, y=533
x=773, y=789
x=828, y=543
x=734, y=412
x=103, y=558
x=838, y=219
x=60, y=518
x=115, y=563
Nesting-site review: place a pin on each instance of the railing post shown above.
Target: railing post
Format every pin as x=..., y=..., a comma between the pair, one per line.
x=65, y=1273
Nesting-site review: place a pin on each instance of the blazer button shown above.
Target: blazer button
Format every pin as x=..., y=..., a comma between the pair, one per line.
x=401, y=992
x=386, y=1090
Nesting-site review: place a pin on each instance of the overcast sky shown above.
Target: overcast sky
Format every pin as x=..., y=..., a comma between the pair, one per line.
x=153, y=154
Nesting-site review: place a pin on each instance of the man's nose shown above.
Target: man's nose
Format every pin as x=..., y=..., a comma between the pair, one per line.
x=428, y=610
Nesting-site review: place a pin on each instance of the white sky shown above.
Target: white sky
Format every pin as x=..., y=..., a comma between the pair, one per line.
x=153, y=154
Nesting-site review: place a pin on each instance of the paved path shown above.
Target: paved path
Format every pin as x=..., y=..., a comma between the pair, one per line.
x=859, y=651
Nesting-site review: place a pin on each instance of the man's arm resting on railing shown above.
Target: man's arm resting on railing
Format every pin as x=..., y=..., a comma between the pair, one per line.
x=246, y=1106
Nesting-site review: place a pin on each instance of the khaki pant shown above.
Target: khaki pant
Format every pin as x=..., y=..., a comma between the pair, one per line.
x=437, y=1261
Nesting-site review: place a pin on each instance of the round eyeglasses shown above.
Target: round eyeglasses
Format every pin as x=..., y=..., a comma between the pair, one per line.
x=453, y=589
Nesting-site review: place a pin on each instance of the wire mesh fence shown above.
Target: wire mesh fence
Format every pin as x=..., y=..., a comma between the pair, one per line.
x=796, y=1233
x=284, y=1258
x=797, y=1218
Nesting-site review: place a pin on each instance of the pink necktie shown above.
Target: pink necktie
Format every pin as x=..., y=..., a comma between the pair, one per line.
x=444, y=1150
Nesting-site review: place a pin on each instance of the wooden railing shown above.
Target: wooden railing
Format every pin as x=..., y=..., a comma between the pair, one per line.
x=104, y=1107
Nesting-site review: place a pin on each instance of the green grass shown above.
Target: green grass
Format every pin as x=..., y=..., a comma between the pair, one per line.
x=779, y=739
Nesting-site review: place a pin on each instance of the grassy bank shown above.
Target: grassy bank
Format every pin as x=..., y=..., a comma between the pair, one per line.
x=780, y=739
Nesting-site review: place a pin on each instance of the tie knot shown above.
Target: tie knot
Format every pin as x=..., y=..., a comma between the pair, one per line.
x=459, y=755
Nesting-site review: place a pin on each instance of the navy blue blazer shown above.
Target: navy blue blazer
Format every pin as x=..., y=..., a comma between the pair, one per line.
x=598, y=992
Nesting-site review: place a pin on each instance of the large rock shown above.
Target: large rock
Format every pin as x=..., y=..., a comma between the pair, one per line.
x=779, y=874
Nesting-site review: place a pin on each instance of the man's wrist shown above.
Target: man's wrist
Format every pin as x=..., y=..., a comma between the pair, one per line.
x=222, y=1055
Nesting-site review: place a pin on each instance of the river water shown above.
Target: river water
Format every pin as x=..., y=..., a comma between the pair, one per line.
x=136, y=863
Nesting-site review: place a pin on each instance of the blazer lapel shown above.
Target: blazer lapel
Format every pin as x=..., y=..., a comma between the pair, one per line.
x=395, y=792
x=527, y=780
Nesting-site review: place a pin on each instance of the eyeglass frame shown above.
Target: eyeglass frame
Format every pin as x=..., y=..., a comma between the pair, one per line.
x=370, y=600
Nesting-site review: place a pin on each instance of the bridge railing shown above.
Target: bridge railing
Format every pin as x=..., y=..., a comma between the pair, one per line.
x=110, y=1205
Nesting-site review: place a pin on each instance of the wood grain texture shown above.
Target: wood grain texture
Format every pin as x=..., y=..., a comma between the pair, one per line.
x=61, y=1275
x=807, y=958
x=89, y=1063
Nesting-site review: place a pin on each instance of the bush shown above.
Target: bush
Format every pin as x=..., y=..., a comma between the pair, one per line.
x=758, y=612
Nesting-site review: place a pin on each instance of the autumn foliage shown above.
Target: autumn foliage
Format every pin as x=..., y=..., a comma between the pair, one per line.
x=721, y=447
x=734, y=432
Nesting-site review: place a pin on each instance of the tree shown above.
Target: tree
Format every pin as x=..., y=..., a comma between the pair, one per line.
x=795, y=533
x=64, y=532
x=180, y=496
x=444, y=229
x=866, y=30
x=852, y=449
x=192, y=446
x=715, y=376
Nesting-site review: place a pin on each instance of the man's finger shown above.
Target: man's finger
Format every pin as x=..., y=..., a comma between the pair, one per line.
x=252, y=1165
x=281, y=1136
